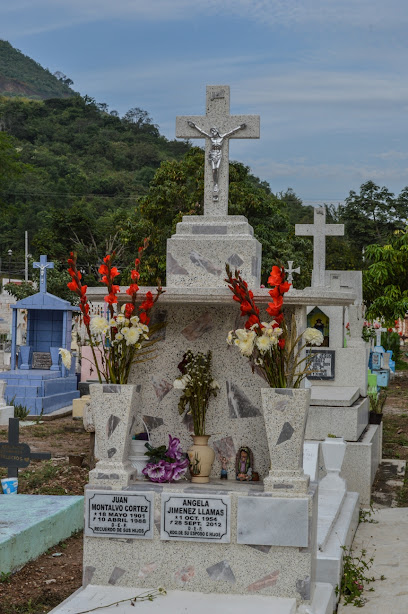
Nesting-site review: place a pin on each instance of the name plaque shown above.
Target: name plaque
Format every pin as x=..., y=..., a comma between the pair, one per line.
x=41, y=360
x=119, y=514
x=322, y=364
x=196, y=518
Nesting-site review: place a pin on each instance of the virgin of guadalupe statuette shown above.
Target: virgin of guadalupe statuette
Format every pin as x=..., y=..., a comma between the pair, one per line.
x=215, y=154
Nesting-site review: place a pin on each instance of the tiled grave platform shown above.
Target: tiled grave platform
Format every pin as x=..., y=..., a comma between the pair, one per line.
x=30, y=524
x=40, y=389
x=343, y=421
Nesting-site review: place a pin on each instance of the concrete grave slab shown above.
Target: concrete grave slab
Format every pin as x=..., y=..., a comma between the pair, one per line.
x=334, y=396
x=30, y=524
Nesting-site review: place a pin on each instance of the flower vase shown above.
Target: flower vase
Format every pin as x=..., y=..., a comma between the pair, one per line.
x=24, y=357
x=201, y=458
x=285, y=413
x=113, y=415
x=54, y=351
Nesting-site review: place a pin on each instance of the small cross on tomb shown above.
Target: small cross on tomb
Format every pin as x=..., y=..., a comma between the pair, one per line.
x=217, y=126
x=15, y=455
x=290, y=270
x=378, y=332
x=319, y=230
x=43, y=265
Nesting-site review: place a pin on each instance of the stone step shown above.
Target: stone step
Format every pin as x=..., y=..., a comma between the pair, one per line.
x=175, y=602
x=30, y=524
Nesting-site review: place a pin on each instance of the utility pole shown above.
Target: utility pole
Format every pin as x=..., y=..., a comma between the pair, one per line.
x=26, y=256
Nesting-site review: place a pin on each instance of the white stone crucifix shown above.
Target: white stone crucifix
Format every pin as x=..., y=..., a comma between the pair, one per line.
x=43, y=265
x=217, y=126
x=319, y=230
x=290, y=270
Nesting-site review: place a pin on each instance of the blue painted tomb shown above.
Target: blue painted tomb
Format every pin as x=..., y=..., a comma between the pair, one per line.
x=38, y=380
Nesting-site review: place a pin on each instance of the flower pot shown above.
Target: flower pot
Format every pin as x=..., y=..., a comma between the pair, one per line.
x=201, y=458
x=55, y=356
x=137, y=457
x=24, y=357
x=113, y=414
x=375, y=418
x=285, y=413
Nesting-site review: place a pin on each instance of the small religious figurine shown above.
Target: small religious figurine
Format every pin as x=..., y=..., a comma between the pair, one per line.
x=215, y=154
x=244, y=465
x=224, y=465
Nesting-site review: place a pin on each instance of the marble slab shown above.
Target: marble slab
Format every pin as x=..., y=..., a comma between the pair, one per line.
x=346, y=422
x=273, y=521
x=311, y=459
x=334, y=396
x=196, y=518
x=119, y=514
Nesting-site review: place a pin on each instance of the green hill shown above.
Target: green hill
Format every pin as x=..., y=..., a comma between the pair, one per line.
x=22, y=76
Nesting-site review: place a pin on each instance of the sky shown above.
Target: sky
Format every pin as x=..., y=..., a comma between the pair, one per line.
x=329, y=78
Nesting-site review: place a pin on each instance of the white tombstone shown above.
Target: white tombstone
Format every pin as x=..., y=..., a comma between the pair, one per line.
x=197, y=253
x=319, y=230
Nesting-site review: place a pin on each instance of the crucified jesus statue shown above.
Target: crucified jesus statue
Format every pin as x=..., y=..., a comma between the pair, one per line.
x=215, y=154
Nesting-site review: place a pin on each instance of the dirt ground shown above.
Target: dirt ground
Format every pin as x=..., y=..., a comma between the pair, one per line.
x=42, y=584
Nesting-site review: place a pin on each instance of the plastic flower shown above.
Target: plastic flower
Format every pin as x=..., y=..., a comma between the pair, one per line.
x=99, y=325
x=263, y=343
x=174, y=449
x=132, y=335
x=65, y=357
x=312, y=336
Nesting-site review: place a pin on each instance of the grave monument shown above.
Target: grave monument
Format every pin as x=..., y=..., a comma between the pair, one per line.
x=244, y=538
x=37, y=379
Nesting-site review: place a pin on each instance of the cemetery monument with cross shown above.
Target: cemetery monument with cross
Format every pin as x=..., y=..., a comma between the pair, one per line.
x=266, y=543
x=37, y=378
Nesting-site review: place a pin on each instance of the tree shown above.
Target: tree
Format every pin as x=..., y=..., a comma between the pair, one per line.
x=385, y=281
x=371, y=216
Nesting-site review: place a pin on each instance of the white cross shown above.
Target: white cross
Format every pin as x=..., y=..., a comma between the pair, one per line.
x=290, y=270
x=319, y=230
x=43, y=265
x=217, y=126
x=378, y=332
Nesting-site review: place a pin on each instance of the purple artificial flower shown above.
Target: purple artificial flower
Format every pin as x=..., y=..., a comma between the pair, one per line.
x=179, y=471
x=155, y=471
x=174, y=450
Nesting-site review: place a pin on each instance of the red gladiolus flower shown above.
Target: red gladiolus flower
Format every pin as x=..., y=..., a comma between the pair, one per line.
x=114, y=272
x=144, y=318
x=273, y=311
x=285, y=287
x=245, y=308
x=110, y=299
x=274, y=292
x=107, y=258
x=72, y=285
x=281, y=343
x=253, y=319
x=276, y=276
x=389, y=330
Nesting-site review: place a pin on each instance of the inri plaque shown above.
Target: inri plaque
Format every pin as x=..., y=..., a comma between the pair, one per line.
x=119, y=514
x=196, y=518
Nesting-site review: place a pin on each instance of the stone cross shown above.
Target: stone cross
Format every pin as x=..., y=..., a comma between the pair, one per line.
x=15, y=455
x=217, y=126
x=290, y=270
x=43, y=265
x=319, y=230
